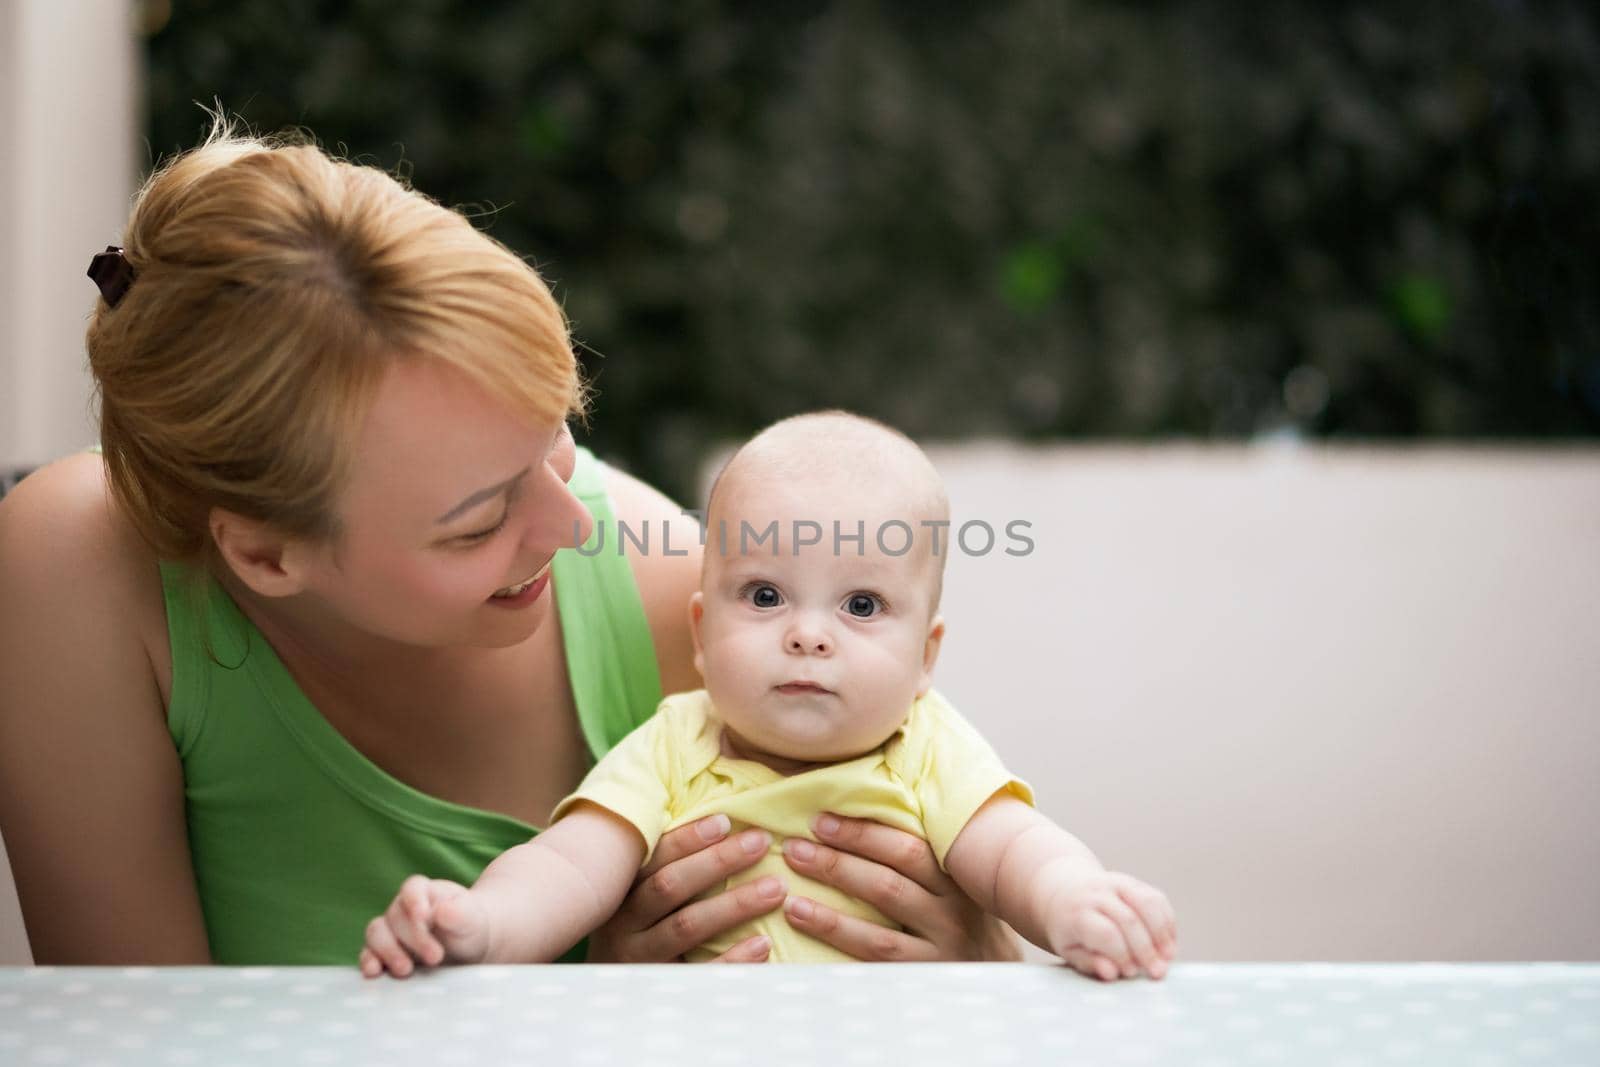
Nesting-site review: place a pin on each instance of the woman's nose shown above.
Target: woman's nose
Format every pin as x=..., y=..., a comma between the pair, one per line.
x=563, y=522
x=582, y=521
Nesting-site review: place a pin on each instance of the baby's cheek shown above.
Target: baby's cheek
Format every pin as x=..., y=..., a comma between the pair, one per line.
x=727, y=665
x=891, y=679
x=893, y=660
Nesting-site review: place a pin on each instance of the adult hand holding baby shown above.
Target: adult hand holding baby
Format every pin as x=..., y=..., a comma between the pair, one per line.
x=898, y=874
x=893, y=871
x=657, y=923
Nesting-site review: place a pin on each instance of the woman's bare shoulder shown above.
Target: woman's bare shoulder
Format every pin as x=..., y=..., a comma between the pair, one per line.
x=73, y=567
x=667, y=574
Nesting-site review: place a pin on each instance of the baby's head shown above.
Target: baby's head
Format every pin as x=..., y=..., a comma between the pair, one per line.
x=816, y=624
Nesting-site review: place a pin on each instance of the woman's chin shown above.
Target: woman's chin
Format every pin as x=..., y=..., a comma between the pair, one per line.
x=496, y=627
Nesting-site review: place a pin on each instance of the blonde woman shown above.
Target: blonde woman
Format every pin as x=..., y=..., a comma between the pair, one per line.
x=304, y=625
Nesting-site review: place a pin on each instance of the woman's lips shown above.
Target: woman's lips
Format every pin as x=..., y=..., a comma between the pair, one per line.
x=524, y=592
x=511, y=591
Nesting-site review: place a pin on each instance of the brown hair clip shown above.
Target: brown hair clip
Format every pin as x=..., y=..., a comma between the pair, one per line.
x=112, y=273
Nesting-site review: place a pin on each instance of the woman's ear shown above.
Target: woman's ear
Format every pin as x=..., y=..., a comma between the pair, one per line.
x=697, y=610
x=265, y=560
x=930, y=654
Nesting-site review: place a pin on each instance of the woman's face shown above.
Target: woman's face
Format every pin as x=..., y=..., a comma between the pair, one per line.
x=451, y=499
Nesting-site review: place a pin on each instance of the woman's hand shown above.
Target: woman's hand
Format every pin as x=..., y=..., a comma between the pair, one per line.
x=896, y=873
x=656, y=924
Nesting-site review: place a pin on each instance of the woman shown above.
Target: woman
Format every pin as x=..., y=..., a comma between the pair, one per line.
x=304, y=627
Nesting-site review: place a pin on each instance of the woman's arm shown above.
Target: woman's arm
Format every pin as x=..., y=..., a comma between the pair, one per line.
x=91, y=790
x=665, y=582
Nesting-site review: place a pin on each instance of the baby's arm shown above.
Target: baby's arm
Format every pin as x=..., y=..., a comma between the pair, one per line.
x=1046, y=883
x=531, y=904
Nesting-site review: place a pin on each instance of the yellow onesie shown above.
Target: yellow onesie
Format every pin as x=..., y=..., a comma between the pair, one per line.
x=928, y=779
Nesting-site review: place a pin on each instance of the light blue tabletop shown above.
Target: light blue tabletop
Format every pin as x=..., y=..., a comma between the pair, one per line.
x=1204, y=1015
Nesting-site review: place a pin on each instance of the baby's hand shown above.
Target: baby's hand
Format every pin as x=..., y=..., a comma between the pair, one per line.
x=1110, y=925
x=430, y=921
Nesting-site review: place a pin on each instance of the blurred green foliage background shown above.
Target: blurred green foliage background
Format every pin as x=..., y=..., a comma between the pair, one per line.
x=1032, y=218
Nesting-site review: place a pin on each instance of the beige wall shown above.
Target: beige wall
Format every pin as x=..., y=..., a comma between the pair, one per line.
x=1341, y=704
x=68, y=119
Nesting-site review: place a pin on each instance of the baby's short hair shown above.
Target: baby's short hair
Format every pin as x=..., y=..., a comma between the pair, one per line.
x=824, y=443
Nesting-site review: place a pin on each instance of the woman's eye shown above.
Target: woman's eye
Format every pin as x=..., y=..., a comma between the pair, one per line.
x=765, y=596
x=484, y=535
x=862, y=605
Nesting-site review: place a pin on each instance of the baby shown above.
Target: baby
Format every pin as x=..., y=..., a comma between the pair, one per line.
x=816, y=630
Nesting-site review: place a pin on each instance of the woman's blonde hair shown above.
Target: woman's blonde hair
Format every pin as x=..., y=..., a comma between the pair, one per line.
x=273, y=287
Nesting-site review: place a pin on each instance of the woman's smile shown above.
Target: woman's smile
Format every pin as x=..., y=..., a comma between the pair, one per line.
x=524, y=592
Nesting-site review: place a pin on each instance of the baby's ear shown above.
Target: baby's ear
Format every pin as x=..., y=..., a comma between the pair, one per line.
x=930, y=654
x=697, y=610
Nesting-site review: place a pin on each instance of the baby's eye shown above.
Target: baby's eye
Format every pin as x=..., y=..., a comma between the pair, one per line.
x=863, y=605
x=764, y=596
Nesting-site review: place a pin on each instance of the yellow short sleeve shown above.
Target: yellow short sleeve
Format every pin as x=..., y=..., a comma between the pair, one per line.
x=950, y=769
x=635, y=780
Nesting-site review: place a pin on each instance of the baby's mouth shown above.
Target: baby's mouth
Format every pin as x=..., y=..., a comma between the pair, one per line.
x=798, y=688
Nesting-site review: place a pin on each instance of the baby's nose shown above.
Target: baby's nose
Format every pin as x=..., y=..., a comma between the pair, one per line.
x=809, y=642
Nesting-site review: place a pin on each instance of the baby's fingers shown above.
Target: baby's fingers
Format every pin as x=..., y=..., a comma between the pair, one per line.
x=1092, y=964
x=411, y=919
x=1156, y=912
x=461, y=922
x=1101, y=935
x=1140, y=945
x=384, y=949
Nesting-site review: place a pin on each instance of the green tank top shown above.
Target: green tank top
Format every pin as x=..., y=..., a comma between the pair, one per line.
x=298, y=840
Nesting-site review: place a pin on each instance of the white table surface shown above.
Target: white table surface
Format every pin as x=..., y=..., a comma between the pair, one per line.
x=1206, y=1015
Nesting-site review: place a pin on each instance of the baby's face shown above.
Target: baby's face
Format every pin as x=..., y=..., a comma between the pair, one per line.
x=814, y=657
